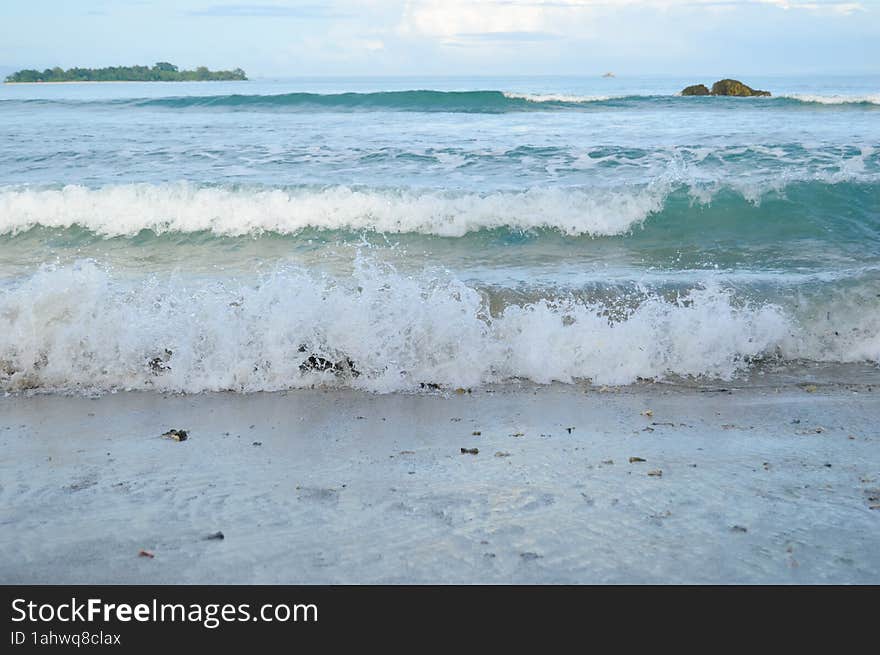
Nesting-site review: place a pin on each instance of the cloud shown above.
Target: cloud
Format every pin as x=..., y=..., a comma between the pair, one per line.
x=509, y=36
x=812, y=5
x=827, y=6
x=267, y=11
x=448, y=19
x=371, y=45
x=459, y=20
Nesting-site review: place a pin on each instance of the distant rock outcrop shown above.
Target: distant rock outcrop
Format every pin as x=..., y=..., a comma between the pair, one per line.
x=735, y=88
x=695, y=90
x=726, y=87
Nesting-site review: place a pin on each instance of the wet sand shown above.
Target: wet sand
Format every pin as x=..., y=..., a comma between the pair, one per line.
x=754, y=485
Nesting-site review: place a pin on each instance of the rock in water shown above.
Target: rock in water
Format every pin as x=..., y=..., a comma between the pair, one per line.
x=729, y=87
x=320, y=364
x=160, y=364
x=695, y=90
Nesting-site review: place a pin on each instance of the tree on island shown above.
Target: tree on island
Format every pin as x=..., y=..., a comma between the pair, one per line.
x=162, y=71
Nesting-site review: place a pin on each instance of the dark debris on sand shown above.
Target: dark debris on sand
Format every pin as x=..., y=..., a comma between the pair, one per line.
x=176, y=435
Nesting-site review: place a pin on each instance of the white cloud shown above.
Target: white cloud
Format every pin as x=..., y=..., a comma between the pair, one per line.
x=448, y=18
x=372, y=45
x=452, y=20
x=844, y=8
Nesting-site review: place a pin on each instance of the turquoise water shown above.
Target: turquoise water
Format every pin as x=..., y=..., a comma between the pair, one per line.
x=453, y=231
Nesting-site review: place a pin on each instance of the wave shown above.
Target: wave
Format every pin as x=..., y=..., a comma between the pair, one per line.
x=872, y=99
x=126, y=210
x=563, y=98
x=484, y=102
x=78, y=328
x=487, y=101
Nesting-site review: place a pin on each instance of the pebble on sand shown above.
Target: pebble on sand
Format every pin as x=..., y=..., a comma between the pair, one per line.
x=176, y=435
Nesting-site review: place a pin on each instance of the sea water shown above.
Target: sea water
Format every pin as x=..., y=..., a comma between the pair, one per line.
x=396, y=234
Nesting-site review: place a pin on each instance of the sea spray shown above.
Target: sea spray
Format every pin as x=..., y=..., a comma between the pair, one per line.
x=126, y=210
x=82, y=328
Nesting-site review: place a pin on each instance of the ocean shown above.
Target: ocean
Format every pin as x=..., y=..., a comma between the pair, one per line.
x=413, y=234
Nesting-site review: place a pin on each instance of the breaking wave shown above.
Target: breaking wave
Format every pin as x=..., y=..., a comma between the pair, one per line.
x=426, y=100
x=80, y=328
x=126, y=210
x=872, y=99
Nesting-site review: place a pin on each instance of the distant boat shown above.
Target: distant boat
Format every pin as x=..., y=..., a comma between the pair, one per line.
x=608, y=75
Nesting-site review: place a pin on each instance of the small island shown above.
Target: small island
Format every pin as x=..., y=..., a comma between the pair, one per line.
x=161, y=72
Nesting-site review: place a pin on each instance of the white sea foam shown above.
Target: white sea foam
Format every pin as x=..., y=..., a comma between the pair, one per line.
x=127, y=209
x=557, y=97
x=81, y=328
x=873, y=99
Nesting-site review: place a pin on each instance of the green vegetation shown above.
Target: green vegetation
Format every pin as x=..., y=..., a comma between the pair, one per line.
x=161, y=72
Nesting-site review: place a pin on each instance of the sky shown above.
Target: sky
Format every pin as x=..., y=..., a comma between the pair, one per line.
x=288, y=38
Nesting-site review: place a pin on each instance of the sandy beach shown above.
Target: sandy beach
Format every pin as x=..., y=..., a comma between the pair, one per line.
x=756, y=485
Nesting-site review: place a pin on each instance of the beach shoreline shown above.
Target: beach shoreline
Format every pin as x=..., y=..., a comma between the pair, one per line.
x=738, y=485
